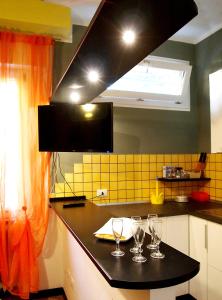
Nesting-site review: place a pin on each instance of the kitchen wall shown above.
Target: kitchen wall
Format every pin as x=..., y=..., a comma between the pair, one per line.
x=142, y=130
x=158, y=131
x=132, y=177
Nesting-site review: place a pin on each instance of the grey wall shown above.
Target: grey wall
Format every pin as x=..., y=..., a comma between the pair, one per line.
x=159, y=131
x=142, y=130
x=208, y=60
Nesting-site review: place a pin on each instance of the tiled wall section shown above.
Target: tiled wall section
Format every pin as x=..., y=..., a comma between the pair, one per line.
x=133, y=177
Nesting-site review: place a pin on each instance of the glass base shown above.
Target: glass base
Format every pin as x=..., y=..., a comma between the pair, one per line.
x=117, y=253
x=139, y=259
x=135, y=250
x=151, y=246
x=157, y=255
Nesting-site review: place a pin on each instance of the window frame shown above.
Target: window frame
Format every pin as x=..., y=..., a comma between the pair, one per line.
x=154, y=100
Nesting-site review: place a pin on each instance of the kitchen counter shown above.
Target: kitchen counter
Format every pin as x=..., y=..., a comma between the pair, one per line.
x=211, y=211
x=122, y=272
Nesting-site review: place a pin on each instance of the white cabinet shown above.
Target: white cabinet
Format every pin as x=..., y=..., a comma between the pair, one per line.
x=215, y=245
x=198, y=251
x=214, y=261
x=206, y=247
x=176, y=234
x=214, y=284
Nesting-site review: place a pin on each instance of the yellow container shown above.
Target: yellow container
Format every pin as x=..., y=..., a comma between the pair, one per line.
x=157, y=198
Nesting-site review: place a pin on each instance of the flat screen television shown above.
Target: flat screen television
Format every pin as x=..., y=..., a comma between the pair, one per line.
x=67, y=127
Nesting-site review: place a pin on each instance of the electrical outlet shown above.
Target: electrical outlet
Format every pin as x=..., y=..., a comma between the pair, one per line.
x=101, y=193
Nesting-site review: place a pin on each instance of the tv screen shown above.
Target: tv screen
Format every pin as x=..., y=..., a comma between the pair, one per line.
x=66, y=127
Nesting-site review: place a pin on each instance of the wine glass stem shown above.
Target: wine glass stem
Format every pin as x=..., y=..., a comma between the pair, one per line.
x=158, y=248
x=139, y=251
x=117, y=245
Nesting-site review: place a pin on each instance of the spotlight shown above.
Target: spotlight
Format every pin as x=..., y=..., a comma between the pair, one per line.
x=129, y=37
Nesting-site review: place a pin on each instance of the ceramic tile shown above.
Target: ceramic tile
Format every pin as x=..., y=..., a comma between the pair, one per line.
x=87, y=158
x=113, y=168
x=96, y=177
x=132, y=177
x=96, y=159
x=105, y=158
x=121, y=159
x=96, y=168
x=129, y=158
x=104, y=167
x=78, y=168
x=69, y=177
x=113, y=159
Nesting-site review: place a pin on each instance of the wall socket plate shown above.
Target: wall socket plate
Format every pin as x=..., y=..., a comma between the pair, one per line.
x=101, y=193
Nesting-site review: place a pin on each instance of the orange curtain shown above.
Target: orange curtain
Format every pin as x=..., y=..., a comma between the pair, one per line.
x=25, y=83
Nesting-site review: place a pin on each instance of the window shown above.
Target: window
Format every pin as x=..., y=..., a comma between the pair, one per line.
x=156, y=82
x=9, y=144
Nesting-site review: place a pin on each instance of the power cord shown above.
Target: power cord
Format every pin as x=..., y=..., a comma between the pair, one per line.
x=57, y=161
x=61, y=173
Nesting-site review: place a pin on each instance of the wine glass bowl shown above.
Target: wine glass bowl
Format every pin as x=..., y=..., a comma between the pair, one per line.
x=134, y=249
x=139, y=233
x=150, y=219
x=117, y=228
x=157, y=224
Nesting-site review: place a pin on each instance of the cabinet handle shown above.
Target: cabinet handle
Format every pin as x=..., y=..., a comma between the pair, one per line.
x=206, y=237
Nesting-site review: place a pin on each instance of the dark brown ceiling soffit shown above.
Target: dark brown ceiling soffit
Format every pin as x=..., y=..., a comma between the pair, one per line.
x=102, y=48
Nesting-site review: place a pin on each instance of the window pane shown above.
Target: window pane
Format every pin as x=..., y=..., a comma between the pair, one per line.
x=148, y=79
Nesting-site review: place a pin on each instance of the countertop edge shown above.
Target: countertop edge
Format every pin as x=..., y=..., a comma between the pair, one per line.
x=125, y=284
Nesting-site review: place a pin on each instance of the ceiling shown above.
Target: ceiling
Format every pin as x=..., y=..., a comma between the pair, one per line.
x=208, y=21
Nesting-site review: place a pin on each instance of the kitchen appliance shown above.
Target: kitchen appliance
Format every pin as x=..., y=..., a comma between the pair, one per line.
x=181, y=198
x=200, y=196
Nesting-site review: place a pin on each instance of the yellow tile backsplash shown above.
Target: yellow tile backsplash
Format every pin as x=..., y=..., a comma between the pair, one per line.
x=132, y=177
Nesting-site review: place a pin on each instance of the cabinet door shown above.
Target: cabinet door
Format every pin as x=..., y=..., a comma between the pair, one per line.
x=214, y=284
x=177, y=235
x=198, y=251
x=215, y=245
x=214, y=261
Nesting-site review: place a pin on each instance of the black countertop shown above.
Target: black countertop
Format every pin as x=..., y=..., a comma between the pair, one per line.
x=211, y=211
x=123, y=272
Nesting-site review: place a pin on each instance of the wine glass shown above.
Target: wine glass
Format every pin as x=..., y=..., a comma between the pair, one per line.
x=150, y=219
x=157, y=225
x=117, y=227
x=134, y=249
x=139, y=229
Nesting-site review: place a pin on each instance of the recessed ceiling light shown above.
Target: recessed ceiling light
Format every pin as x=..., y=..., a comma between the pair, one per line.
x=129, y=37
x=93, y=76
x=75, y=97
